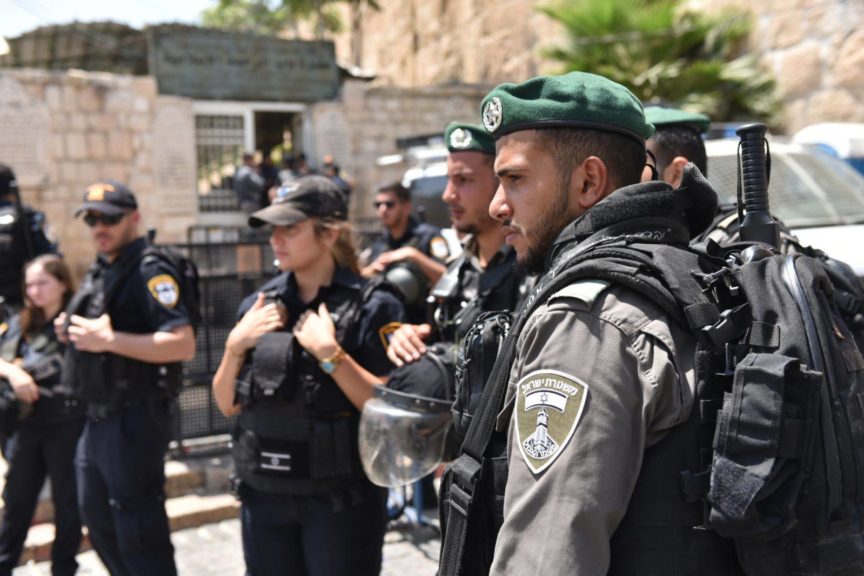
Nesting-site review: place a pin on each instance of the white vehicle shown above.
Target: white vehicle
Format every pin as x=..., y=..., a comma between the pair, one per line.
x=844, y=140
x=819, y=197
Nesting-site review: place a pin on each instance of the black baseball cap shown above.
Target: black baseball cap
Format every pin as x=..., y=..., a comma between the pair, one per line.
x=108, y=197
x=7, y=180
x=301, y=199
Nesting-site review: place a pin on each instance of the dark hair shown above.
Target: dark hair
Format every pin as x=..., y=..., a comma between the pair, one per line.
x=624, y=156
x=673, y=141
x=33, y=318
x=402, y=193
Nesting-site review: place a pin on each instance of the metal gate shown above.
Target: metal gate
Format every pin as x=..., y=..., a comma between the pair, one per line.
x=232, y=263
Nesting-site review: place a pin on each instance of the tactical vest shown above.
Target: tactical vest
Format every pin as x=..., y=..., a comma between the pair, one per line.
x=44, y=363
x=110, y=381
x=297, y=433
x=497, y=289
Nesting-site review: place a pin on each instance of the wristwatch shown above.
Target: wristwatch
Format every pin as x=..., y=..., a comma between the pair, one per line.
x=329, y=364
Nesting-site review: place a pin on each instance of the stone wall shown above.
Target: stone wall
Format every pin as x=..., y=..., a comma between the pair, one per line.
x=814, y=48
x=430, y=42
x=370, y=119
x=65, y=130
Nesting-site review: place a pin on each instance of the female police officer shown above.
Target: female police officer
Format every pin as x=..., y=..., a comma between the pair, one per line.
x=44, y=442
x=304, y=357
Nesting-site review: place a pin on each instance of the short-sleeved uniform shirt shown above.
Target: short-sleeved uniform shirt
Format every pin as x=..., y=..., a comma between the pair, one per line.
x=600, y=374
x=423, y=236
x=148, y=296
x=366, y=342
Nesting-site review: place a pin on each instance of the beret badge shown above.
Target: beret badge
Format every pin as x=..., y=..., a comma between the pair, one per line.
x=492, y=114
x=460, y=139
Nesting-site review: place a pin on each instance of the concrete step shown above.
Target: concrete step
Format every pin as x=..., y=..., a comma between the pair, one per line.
x=181, y=477
x=197, y=493
x=188, y=511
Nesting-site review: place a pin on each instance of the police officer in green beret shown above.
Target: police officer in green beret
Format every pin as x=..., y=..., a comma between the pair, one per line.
x=596, y=378
x=483, y=278
x=677, y=140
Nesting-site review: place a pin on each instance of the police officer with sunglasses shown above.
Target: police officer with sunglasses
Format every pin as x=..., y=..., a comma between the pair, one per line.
x=128, y=330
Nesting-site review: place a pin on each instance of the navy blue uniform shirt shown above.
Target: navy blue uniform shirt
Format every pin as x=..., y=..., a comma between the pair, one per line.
x=148, y=298
x=366, y=342
x=424, y=237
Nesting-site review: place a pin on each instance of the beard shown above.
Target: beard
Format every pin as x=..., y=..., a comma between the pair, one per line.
x=549, y=226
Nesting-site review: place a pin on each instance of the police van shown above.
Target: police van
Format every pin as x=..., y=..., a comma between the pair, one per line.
x=818, y=196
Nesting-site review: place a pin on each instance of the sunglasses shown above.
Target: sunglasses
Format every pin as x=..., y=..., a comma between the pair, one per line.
x=106, y=219
x=386, y=203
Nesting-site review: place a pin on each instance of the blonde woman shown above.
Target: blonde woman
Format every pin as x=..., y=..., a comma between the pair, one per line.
x=307, y=352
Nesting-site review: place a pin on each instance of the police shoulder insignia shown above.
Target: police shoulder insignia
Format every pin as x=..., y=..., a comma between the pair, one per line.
x=386, y=331
x=548, y=407
x=438, y=248
x=460, y=139
x=164, y=289
x=492, y=114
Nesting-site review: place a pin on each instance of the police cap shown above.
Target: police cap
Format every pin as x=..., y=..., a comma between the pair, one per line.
x=574, y=100
x=301, y=199
x=662, y=117
x=462, y=137
x=108, y=197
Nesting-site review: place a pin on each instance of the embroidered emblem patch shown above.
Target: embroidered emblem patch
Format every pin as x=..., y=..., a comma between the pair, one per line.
x=438, y=247
x=164, y=289
x=492, y=114
x=386, y=332
x=460, y=138
x=96, y=192
x=548, y=407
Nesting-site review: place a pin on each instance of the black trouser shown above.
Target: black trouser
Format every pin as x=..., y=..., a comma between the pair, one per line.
x=32, y=453
x=330, y=535
x=121, y=489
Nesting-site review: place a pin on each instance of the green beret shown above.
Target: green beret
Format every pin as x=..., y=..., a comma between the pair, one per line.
x=667, y=117
x=574, y=100
x=461, y=137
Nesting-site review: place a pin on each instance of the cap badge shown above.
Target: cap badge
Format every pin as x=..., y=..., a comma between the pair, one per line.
x=284, y=191
x=460, y=139
x=492, y=114
x=96, y=192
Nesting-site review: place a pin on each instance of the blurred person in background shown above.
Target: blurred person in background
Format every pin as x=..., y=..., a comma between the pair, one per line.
x=49, y=420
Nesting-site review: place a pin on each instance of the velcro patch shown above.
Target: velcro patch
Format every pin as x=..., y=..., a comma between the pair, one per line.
x=386, y=332
x=548, y=407
x=164, y=289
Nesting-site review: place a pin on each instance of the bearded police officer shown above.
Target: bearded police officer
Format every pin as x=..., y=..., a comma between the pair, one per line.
x=483, y=278
x=596, y=374
x=128, y=330
x=24, y=234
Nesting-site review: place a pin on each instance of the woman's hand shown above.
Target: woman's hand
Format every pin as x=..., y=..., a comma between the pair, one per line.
x=23, y=384
x=259, y=320
x=317, y=333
